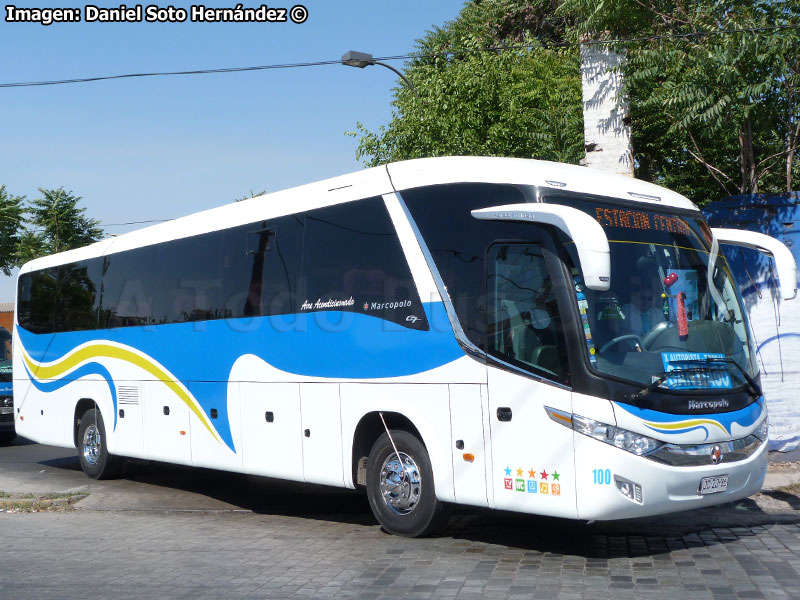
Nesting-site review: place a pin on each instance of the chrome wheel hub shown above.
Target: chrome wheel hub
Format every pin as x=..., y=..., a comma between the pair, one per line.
x=91, y=444
x=401, y=483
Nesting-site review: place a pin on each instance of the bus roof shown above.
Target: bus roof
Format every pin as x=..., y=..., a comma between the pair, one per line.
x=377, y=181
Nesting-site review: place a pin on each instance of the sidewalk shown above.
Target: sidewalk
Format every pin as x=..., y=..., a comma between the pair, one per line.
x=783, y=470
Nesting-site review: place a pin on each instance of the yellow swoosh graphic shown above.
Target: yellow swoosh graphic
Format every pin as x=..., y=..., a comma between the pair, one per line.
x=107, y=351
x=684, y=425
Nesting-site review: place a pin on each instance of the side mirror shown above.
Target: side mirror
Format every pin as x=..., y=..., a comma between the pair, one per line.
x=784, y=261
x=589, y=238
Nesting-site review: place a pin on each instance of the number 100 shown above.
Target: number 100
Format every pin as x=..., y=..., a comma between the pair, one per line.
x=602, y=476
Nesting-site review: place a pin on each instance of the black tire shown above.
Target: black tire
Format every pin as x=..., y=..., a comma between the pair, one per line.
x=6, y=437
x=96, y=462
x=411, y=510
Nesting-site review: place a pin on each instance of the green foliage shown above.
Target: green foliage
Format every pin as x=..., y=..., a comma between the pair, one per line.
x=711, y=115
x=519, y=102
x=11, y=212
x=252, y=194
x=58, y=224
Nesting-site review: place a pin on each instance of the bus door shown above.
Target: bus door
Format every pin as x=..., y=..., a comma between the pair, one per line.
x=532, y=456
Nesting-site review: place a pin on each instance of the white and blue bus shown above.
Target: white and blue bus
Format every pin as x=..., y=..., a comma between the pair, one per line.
x=502, y=333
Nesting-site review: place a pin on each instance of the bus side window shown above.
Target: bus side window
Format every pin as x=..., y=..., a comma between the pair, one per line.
x=78, y=300
x=353, y=261
x=188, y=280
x=261, y=267
x=37, y=294
x=524, y=324
x=128, y=286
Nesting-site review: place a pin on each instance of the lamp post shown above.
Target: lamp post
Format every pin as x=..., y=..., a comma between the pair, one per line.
x=362, y=59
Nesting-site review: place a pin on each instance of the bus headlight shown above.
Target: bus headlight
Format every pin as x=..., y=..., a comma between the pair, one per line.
x=762, y=431
x=632, y=442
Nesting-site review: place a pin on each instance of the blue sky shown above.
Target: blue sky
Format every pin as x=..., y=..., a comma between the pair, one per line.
x=163, y=147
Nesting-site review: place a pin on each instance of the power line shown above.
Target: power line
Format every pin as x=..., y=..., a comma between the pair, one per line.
x=611, y=42
x=170, y=73
x=134, y=222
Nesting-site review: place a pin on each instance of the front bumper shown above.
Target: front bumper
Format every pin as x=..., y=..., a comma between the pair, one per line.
x=6, y=413
x=664, y=488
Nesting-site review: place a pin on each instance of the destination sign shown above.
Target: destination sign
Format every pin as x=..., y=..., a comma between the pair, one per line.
x=636, y=219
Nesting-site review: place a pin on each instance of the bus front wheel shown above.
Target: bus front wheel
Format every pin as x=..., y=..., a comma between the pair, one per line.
x=400, y=486
x=96, y=462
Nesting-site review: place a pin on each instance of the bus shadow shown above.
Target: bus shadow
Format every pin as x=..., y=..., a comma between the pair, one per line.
x=629, y=538
x=608, y=539
x=236, y=491
x=261, y=495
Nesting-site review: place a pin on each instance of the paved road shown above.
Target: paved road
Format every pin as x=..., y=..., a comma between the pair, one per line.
x=173, y=532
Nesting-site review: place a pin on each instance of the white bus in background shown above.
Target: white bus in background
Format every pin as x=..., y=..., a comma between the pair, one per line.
x=502, y=333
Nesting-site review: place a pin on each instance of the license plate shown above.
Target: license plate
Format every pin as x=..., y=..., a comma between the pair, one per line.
x=6, y=410
x=712, y=485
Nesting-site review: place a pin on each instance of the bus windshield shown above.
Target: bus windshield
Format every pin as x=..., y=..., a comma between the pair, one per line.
x=673, y=313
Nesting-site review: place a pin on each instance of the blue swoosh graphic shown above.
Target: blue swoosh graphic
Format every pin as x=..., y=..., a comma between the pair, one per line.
x=90, y=368
x=745, y=417
x=328, y=344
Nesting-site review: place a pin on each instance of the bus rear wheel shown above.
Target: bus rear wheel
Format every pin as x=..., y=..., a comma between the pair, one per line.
x=400, y=486
x=95, y=460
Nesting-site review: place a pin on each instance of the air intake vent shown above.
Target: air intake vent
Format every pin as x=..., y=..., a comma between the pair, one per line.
x=127, y=394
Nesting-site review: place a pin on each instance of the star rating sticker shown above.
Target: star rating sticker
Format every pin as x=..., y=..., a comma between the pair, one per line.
x=544, y=474
x=556, y=476
x=508, y=472
x=532, y=474
x=519, y=472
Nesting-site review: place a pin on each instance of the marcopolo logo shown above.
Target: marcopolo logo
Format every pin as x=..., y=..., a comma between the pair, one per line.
x=387, y=305
x=708, y=404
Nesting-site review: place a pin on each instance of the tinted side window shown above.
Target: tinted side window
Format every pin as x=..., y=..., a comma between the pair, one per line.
x=78, y=300
x=128, y=284
x=261, y=267
x=188, y=280
x=36, y=300
x=524, y=325
x=458, y=242
x=353, y=261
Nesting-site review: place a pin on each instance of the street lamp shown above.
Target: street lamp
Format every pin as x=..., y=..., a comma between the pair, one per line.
x=362, y=59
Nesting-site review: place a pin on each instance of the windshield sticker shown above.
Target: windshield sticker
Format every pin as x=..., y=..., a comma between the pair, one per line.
x=583, y=308
x=694, y=371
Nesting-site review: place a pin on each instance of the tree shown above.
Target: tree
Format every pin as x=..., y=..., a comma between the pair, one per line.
x=252, y=194
x=58, y=225
x=711, y=114
x=11, y=212
x=522, y=102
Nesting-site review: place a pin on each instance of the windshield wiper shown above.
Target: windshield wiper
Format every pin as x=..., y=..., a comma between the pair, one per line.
x=662, y=377
x=750, y=381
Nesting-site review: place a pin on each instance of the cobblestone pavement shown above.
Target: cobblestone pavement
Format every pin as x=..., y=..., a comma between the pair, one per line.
x=324, y=544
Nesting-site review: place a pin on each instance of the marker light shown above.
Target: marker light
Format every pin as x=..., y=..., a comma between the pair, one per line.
x=647, y=197
x=762, y=432
x=629, y=441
